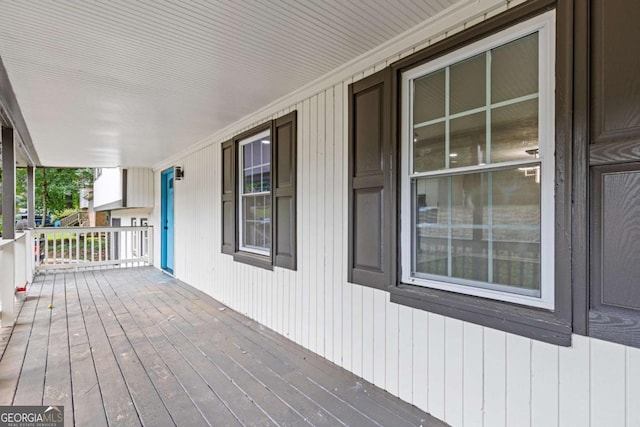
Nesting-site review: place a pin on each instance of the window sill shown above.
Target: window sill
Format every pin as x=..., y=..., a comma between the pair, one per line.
x=255, y=260
x=538, y=324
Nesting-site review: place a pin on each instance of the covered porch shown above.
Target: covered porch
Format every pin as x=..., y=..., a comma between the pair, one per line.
x=137, y=347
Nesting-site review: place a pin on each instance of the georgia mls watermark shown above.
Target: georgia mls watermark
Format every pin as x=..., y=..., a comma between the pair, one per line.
x=31, y=416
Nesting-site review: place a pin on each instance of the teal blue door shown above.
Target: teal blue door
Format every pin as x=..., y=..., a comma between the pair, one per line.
x=166, y=220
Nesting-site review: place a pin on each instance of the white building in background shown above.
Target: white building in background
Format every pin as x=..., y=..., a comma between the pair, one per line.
x=86, y=198
x=125, y=195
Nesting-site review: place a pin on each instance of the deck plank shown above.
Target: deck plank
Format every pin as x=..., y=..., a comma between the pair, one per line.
x=156, y=373
x=148, y=403
x=136, y=347
x=356, y=391
x=84, y=379
x=213, y=343
x=30, y=388
x=205, y=399
x=57, y=386
x=5, y=332
x=231, y=407
x=278, y=409
x=13, y=357
x=333, y=385
x=116, y=398
x=308, y=399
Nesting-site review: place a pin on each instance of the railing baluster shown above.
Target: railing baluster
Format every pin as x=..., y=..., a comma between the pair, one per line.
x=37, y=254
x=97, y=247
x=150, y=248
x=46, y=248
x=55, y=248
x=118, y=249
x=122, y=249
x=62, y=257
x=143, y=246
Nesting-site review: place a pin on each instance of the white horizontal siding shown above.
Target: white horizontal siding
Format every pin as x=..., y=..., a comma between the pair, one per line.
x=127, y=215
x=465, y=374
x=107, y=188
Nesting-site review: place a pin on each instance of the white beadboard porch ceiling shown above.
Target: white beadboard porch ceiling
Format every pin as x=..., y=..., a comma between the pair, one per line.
x=130, y=83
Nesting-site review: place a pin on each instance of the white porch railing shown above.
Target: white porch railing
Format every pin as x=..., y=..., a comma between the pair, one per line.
x=91, y=247
x=16, y=271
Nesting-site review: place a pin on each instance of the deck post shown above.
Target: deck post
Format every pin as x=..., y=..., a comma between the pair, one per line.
x=8, y=185
x=31, y=197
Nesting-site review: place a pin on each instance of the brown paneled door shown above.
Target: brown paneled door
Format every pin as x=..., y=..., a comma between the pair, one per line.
x=614, y=160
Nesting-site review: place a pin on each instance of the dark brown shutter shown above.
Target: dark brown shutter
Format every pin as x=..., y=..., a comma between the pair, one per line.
x=283, y=159
x=370, y=193
x=228, y=197
x=614, y=291
x=614, y=312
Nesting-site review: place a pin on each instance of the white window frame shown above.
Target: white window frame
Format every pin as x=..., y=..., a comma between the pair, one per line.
x=241, y=144
x=544, y=25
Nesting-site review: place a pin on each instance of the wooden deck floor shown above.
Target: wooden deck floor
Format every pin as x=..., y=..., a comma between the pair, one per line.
x=135, y=347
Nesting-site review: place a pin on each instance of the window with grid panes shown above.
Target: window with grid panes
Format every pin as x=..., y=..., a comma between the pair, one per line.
x=255, y=193
x=478, y=168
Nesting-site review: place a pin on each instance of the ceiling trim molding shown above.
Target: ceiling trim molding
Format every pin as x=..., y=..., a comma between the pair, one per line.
x=11, y=112
x=433, y=29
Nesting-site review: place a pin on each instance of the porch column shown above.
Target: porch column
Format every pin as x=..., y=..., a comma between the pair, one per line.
x=31, y=197
x=8, y=184
x=7, y=248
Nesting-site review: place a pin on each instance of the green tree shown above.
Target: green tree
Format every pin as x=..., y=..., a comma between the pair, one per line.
x=57, y=189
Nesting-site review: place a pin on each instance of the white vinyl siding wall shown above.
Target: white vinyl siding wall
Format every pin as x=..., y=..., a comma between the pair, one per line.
x=462, y=373
x=107, y=188
x=139, y=188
